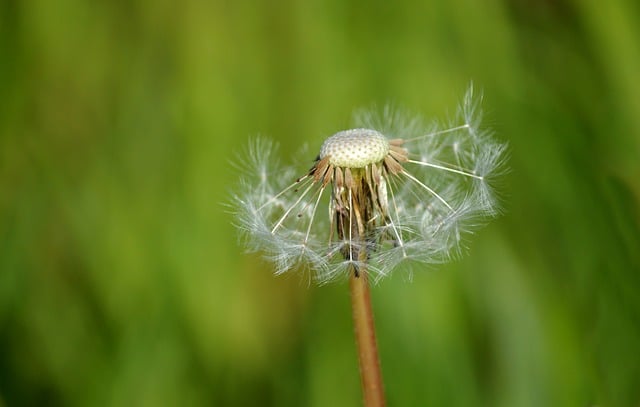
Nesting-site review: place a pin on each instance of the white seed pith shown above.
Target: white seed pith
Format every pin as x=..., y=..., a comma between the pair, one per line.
x=355, y=148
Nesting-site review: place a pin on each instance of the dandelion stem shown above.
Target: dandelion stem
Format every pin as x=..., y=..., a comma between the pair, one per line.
x=360, y=202
x=370, y=374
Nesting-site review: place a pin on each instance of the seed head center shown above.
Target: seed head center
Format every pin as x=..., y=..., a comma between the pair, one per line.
x=355, y=148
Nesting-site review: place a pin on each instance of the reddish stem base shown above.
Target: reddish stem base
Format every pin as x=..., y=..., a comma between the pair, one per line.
x=370, y=374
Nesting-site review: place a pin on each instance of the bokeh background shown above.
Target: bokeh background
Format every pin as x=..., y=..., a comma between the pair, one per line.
x=121, y=280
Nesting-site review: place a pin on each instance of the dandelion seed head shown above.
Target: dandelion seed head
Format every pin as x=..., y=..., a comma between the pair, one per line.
x=355, y=148
x=391, y=191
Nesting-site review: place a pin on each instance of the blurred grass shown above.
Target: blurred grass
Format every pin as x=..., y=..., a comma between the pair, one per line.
x=121, y=282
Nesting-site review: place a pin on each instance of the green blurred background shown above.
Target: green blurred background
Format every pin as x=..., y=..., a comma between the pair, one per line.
x=121, y=280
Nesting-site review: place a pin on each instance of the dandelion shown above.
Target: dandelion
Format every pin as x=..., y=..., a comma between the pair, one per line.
x=397, y=191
